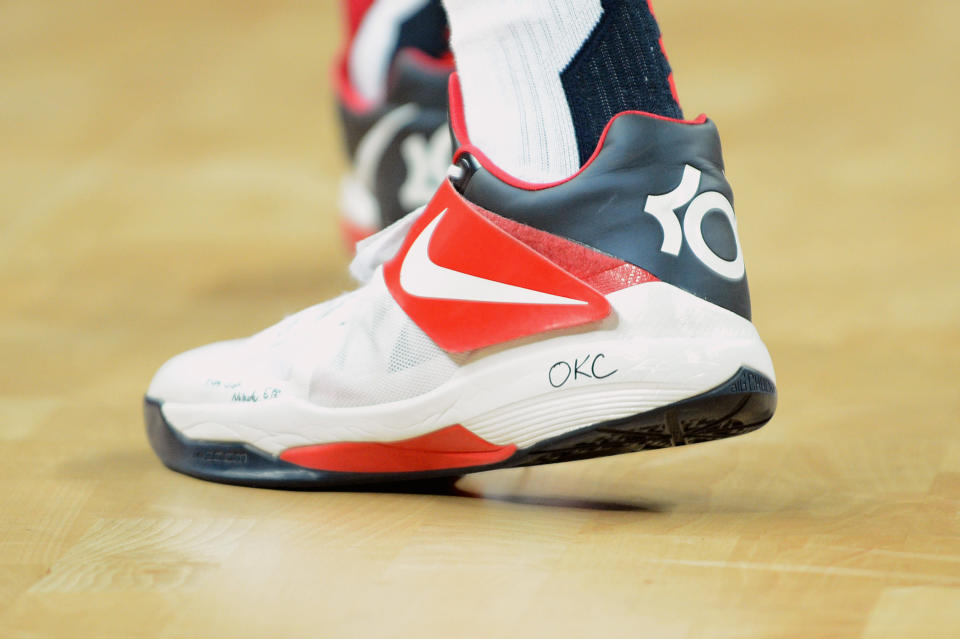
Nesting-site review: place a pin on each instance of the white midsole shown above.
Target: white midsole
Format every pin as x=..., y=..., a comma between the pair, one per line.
x=664, y=345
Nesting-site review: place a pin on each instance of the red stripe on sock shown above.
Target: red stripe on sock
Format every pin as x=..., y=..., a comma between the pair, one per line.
x=663, y=50
x=354, y=12
x=673, y=88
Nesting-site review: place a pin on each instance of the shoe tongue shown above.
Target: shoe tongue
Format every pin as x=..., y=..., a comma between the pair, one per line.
x=374, y=251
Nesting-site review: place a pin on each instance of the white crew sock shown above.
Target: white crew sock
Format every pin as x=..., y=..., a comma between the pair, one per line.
x=509, y=55
x=374, y=44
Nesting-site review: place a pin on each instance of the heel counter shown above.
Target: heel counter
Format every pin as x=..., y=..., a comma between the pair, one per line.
x=654, y=195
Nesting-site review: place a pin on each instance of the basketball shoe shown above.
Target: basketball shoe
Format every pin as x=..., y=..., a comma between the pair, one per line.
x=503, y=324
x=399, y=149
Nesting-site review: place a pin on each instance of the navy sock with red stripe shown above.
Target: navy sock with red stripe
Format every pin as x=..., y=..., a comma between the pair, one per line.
x=620, y=67
x=542, y=78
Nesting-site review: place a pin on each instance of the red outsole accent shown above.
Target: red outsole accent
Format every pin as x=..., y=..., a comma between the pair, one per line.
x=450, y=447
x=459, y=127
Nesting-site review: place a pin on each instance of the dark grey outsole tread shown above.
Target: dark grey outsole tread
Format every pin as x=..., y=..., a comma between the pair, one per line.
x=742, y=404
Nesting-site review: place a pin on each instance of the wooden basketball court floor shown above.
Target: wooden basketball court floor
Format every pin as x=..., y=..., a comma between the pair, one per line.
x=168, y=177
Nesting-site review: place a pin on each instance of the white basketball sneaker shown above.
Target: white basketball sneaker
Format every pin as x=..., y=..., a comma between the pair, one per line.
x=503, y=324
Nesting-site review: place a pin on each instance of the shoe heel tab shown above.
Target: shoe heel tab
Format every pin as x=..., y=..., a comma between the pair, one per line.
x=652, y=140
x=418, y=78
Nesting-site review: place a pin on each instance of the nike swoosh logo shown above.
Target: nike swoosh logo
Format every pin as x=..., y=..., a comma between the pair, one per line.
x=421, y=277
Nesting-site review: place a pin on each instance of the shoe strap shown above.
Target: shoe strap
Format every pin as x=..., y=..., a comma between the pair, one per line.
x=374, y=251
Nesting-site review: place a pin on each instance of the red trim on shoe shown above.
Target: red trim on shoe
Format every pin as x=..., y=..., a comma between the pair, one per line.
x=620, y=277
x=450, y=447
x=469, y=284
x=459, y=127
x=343, y=88
x=353, y=13
x=355, y=10
x=604, y=273
x=458, y=123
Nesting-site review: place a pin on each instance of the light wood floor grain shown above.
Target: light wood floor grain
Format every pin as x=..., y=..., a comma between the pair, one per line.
x=168, y=176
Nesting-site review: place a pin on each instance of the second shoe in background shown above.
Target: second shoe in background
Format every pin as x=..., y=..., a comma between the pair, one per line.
x=391, y=88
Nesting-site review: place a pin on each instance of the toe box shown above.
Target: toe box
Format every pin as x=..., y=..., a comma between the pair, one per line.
x=228, y=371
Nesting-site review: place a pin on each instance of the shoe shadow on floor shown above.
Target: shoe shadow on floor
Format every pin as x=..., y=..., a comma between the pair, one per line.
x=132, y=464
x=449, y=487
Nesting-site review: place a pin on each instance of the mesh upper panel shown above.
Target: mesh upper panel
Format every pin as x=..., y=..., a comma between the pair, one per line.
x=359, y=349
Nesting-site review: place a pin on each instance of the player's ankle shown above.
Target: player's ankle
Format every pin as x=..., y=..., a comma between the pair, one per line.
x=542, y=79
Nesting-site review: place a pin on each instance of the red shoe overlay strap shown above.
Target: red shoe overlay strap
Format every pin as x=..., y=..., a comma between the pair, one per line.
x=619, y=278
x=450, y=447
x=469, y=284
x=604, y=273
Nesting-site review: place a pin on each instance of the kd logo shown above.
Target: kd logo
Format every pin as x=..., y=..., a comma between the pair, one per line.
x=664, y=208
x=427, y=162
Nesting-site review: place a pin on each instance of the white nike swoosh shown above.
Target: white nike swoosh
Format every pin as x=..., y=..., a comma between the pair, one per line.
x=421, y=277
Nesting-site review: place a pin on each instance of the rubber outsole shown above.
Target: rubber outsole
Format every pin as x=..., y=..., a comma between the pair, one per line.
x=743, y=403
